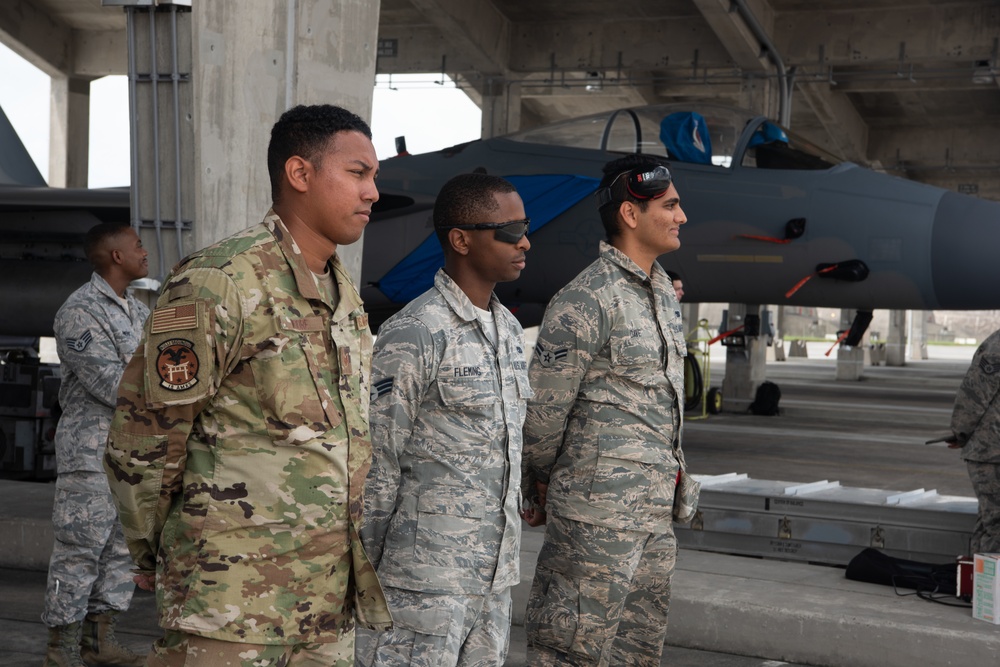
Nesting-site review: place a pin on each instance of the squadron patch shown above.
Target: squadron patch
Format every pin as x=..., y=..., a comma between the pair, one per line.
x=547, y=357
x=987, y=366
x=382, y=387
x=177, y=364
x=80, y=344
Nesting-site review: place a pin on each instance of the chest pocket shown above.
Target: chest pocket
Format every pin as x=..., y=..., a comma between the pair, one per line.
x=291, y=374
x=638, y=354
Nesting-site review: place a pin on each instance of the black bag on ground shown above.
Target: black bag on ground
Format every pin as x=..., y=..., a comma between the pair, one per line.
x=874, y=567
x=765, y=401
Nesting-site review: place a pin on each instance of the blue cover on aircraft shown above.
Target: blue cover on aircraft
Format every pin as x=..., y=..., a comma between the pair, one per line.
x=545, y=198
x=686, y=137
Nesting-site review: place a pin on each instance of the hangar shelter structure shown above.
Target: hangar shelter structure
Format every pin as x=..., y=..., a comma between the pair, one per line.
x=905, y=86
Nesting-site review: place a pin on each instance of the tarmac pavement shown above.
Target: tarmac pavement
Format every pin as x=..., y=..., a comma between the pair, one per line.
x=726, y=610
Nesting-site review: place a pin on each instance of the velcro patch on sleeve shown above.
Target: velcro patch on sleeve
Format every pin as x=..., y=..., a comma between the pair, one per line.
x=174, y=318
x=179, y=361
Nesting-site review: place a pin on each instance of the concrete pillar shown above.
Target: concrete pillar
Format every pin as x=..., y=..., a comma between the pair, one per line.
x=918, y=335
x=501, y=105
x=69, y=131
x=895, y=345
x=253, y=60
x=850, y=360
x=746, y=366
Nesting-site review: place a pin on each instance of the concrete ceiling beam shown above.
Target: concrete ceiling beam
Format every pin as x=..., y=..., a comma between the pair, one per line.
x=100, y=53
x=475, y=27
x=616, y=46
x=944, y=146
x=37, y=37
x=734, y=34
x=845, y=128
x=926, y=33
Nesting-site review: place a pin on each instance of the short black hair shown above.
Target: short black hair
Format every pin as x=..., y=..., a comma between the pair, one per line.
x=619, y=193
x=467, y=199
x=673, y=275
x=96, y=238
x=306, y=131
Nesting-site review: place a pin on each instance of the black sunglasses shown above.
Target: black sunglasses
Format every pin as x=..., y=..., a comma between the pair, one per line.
x=643, y=185
x=508, y=232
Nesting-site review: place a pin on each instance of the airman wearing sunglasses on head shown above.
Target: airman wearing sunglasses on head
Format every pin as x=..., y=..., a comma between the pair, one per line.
x=449, y=385
x=602, y=445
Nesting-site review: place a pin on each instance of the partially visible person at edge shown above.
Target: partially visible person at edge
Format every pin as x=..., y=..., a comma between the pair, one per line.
x=240, y=445
x=602, y=443
x=678, y=284
x=450, y=381
x=97, y=329
x=975, y=425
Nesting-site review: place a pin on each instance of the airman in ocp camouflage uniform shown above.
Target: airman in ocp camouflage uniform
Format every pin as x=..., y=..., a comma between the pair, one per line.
x=448, y=403
x=602, y=445
x=975, y=421
x=240, y=445
x=97, y=329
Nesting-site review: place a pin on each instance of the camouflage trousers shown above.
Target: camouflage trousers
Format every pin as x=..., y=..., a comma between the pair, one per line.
x=600, y=596
x=180, y=649
x=90, y=567
x=432, y=630
x=985, y=479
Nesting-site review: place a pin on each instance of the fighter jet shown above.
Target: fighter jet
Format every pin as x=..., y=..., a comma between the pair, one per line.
x=41, y=238
x=772, y=218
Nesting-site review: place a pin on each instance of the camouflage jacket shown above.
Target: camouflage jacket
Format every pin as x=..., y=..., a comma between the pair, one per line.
x=975, y=421
x=441, y=505
x=95, y=338
x=604, y=427
x=240, y=446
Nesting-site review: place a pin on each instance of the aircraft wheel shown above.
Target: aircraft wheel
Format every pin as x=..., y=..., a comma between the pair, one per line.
x=714, y=402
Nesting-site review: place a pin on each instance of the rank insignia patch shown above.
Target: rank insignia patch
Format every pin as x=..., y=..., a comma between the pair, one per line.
x=987, y=366
x=80, y=344
x=382, y=387
x=177, y=364
x=547, y=357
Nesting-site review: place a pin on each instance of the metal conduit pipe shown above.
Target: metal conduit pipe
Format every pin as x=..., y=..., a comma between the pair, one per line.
x=175, y=78
x=154, y=81
x=133, y=126
x=784, y=94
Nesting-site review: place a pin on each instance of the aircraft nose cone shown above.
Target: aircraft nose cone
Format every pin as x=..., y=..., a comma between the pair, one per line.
x=965, y=252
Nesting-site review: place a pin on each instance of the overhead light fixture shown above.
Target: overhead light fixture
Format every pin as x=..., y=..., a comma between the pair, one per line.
x=595, y=82
x=982, y=72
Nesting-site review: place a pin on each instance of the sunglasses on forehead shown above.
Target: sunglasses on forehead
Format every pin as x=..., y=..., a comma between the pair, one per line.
x=641, y=184
x=508, y=232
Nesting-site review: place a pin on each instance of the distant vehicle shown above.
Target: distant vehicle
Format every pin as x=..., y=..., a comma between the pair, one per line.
x=767, y=212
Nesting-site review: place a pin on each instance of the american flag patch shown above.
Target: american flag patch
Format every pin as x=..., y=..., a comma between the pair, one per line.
x=174, y=318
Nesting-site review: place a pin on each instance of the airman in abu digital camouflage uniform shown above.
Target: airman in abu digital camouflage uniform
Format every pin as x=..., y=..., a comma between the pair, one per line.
x=975, y=423
x=240, y=445
x=602, y=443
x=448, y=403
x=97, y=329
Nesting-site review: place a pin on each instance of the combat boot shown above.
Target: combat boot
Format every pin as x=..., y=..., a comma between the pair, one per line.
x=64, y=646
x=101, y=647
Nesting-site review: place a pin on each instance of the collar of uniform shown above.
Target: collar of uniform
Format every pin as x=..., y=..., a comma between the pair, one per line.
x=616, y=256
x=304, y=280
x=456, y=299
x=349, y=300
x=102, y=286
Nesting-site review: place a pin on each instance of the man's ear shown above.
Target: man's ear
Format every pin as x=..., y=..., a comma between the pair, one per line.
x=116, y=256
x=459, y=241
x=628, y=212
x=298, y=172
